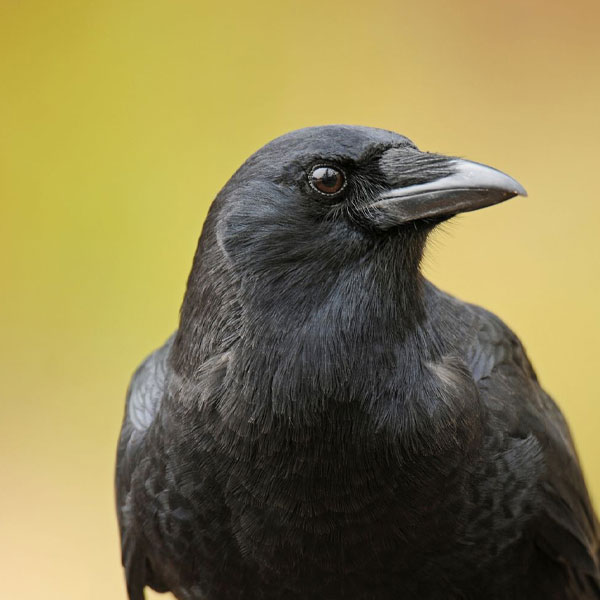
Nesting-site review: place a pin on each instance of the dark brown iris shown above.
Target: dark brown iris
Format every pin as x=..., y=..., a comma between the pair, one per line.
x=327, y=180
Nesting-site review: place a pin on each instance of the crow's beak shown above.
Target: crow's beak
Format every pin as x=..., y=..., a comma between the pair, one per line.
x=468, y=186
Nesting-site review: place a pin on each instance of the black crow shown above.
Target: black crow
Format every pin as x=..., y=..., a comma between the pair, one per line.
x=327, y=424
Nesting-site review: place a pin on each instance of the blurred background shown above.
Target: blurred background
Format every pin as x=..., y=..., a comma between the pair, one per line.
x=121, y=120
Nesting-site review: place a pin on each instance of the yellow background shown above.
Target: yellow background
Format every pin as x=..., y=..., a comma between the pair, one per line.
x=119, y=122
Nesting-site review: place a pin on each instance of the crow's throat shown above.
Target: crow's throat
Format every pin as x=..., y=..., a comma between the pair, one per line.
x=300, y=337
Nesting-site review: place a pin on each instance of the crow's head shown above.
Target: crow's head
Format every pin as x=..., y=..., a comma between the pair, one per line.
x=326, y=195
x=327, y=225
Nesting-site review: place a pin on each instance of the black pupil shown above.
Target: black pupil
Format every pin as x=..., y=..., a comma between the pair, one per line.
x=327, y=180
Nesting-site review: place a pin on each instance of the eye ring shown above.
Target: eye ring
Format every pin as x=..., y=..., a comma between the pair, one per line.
x=327, y=180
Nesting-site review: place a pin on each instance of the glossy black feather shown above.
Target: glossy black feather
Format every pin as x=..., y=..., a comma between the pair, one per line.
x=327, y=424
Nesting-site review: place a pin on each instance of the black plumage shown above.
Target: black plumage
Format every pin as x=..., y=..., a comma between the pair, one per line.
x=325, y=423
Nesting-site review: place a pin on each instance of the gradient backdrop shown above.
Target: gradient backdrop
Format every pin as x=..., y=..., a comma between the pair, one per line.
x=120, y=121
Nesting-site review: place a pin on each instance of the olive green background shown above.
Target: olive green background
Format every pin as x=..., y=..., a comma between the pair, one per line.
x=121, y=120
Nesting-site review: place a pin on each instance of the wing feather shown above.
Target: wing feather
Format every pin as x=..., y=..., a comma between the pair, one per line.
x=561, y=522
x=565, y=527
x=143, y=403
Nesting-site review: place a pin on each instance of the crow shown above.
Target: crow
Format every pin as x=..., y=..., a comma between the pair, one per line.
x=327, y=424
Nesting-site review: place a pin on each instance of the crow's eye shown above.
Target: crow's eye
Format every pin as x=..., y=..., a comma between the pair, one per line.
x=327, y=180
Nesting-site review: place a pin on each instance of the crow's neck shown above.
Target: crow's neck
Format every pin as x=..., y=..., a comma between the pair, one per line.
x=336, y=314
x=332, y=353
x=322, y=329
